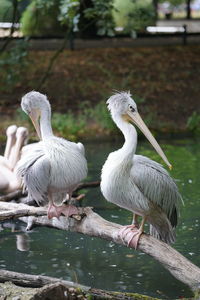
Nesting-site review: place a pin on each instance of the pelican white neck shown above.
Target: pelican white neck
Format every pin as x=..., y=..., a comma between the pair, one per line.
x=45, y=123
x=129, y=132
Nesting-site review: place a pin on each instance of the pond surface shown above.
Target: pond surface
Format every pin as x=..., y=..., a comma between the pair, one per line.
x=101, y=264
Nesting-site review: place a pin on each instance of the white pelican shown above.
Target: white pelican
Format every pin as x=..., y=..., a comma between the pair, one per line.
x=54, y=165
x=136, y=182
x=16, y=138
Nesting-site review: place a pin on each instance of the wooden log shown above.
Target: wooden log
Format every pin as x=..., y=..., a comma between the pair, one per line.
x=92, y=224
x=35, y=281
x=74, y=289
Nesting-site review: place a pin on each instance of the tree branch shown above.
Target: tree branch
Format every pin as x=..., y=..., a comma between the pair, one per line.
x=90, y=223
x=84, y=185
x=74, y=289
x=12, y=196
x=51, y=63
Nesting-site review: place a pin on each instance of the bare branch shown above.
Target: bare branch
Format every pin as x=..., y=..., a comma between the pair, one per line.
x=84, y=185
x=92, y=224
x=13, y=210
x=14, y=195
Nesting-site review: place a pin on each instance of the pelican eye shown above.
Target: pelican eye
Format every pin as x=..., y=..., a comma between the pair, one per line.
x=132, y=108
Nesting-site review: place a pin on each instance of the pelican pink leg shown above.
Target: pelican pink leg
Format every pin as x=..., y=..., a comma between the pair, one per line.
x=131, y=234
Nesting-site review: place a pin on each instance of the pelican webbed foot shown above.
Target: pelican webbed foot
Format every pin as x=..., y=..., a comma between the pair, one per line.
x=131, y=234
x=57, y=211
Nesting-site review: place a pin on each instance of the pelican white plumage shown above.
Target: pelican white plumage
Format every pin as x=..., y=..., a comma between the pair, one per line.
x=54, y=165
x=136, y=182
x=16, y=138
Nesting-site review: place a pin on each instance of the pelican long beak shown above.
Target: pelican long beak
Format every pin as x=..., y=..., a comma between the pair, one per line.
x=137, y=120
x=34, y=116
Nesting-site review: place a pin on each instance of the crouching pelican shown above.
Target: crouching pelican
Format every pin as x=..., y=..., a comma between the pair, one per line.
x=137, y=183
x=54, y=165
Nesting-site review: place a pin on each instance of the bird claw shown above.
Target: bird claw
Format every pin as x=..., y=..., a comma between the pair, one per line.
x=130, y=235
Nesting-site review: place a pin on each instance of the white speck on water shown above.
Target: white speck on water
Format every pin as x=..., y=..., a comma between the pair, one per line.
x=33, y=267
x=190, y=180
x=113, y=266
x=114, y=217
x=54, y=259
x=191, y=253
x=139, y=275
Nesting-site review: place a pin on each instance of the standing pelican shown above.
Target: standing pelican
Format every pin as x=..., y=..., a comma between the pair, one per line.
x=55, y=164
x=136, y=182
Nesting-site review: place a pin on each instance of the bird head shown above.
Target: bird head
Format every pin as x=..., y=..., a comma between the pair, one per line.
x=122, y=105
x=11, y=130
x=33, y=104
x=22, y=134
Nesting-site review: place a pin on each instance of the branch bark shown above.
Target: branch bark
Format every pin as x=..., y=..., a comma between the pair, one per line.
x=92, y=224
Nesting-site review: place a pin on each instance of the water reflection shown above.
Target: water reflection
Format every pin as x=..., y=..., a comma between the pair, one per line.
x=102, y=264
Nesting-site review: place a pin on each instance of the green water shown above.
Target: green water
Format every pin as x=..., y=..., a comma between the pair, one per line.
x=101, y=264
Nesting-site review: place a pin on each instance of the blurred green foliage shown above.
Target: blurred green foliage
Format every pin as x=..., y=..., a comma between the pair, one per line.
x=55, y=17
x=69, y=125
x=12, y=63
x=40, y=19
x=193, y=123
x=73, y=125
x=141, y=16
x=101, y=12
x=100, y=115
x=6, y=11
x=134, y=15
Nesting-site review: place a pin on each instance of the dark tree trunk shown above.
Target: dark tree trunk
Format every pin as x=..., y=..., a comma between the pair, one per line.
x=155, y=5
x=87, y=28
x=188, y=10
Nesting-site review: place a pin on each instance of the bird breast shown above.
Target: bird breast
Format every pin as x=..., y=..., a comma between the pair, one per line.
x=68, y=164
x=118, y=187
